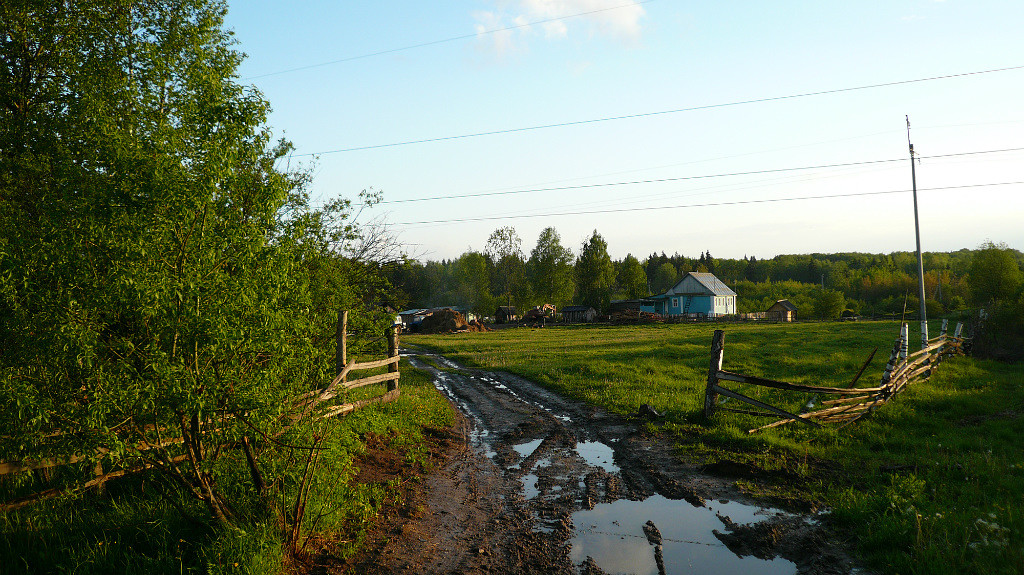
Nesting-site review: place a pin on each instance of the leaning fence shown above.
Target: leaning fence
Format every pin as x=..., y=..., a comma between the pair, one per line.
x=850, y=403
x=317, y=403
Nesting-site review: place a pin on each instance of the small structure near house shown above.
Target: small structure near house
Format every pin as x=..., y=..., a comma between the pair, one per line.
x=413, y=317
x=639, y=305
x=699, y=293
x=506, y=314
x=579, y=314
x=782, y=310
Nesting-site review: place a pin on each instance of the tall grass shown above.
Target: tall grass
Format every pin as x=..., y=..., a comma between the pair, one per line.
x=143, y=525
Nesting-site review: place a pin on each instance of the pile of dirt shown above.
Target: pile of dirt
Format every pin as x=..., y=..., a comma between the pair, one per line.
x=475, y=325
x=634, y=316
x=443, y=321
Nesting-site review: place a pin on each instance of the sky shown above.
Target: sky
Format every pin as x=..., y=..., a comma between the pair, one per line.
x=666, y=126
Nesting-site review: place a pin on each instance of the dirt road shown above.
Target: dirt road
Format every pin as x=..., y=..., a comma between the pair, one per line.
x=542, y=484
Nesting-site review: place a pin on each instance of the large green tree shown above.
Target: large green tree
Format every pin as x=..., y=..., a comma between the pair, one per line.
x=160, y=277
x=995, y=275
x=505, y=248
x=595, y=273
x=551, y=269
x=632, y=278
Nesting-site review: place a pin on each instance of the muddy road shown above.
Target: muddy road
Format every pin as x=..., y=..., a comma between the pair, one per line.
x=541, y=484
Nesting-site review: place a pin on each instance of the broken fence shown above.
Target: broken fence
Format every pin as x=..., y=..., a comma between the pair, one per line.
x=850, y=403
x=317, y=403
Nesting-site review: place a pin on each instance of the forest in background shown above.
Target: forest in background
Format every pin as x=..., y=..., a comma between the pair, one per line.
x=820, y=285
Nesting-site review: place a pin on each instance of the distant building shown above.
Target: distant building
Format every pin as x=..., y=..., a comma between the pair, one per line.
x=579, y=314
x=644, y=304
x=781, y=310
x=697, y=293
x=506, y=314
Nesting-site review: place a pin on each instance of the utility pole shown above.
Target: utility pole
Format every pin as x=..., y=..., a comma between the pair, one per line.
x=920, y=259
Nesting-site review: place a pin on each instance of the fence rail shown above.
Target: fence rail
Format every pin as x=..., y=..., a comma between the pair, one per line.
x=902, y=370
x=314, y=403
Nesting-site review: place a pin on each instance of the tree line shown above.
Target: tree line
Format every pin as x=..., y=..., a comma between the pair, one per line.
x=820, y=285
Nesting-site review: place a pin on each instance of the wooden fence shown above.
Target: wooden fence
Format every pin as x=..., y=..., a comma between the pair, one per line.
x=851, y=402
x=317, y=403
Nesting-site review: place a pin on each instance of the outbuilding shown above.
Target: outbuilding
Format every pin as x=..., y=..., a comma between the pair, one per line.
x=782, y=310
x=579, y=314
x=506, y=314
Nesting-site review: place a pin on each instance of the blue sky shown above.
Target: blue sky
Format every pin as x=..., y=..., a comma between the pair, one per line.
x=620, y=58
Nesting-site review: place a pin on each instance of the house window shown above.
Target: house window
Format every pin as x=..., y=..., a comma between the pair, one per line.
x=675, y=302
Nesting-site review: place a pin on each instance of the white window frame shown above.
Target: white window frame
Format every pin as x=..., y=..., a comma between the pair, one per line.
x=675, y=303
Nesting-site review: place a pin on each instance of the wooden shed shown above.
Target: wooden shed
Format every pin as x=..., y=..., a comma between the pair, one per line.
x=579, y=314
x=506, y=314
x=782, y=310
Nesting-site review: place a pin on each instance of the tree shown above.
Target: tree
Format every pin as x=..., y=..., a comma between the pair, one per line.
x=550, y=269
x=159, y=275
x=828, y=304
x=665, y=276
x=595, y=274
x=995, y=274
x=632, y=278
x=504, y=247
x=473, y=283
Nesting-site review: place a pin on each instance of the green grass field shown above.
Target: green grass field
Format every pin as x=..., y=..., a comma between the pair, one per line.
x=933, y=482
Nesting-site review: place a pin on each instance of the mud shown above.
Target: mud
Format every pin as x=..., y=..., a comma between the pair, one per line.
x=536, y=483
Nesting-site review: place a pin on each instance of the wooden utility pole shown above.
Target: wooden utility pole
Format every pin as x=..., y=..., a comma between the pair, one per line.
x=917, y=234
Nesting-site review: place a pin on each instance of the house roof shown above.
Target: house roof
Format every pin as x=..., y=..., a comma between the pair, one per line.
x=785, y=304
x=507, y=308
x=708, y=281
x=576, y=308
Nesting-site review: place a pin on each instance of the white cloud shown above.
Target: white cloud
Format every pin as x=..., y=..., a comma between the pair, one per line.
x=617, y=19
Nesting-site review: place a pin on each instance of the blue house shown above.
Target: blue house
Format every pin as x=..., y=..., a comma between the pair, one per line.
x=697, y=293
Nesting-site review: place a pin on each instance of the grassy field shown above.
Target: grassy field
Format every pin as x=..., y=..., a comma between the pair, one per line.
x=141, y=526
x=933, y=482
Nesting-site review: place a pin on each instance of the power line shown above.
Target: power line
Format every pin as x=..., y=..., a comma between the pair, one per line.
x=661, y=112
x=682, y=178
x=706, y=205
x=443, y=41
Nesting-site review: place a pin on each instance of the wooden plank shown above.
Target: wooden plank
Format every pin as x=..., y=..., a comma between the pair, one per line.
x=393, y=376
x=862, y=368
x=756, y=403
x=375, y=364
x=764, y=382
x=350, y=407
x=747, y=411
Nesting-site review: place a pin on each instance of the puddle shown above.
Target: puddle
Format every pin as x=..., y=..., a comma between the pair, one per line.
x=530, y=489
x=525, y=450
x=612, y=533
x=597, y=454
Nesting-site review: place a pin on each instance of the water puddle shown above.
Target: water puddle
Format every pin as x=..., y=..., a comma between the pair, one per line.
x=613, y=534
x=525, y=450
x=597, y=454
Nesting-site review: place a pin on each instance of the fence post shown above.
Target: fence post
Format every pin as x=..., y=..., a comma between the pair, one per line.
x=887, y=374
x=904, y=339
x=392, y=352
x=341, y=342
x=956, y=336
x=717, y=351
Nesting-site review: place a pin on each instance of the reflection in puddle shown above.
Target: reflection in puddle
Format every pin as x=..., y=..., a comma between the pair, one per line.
x=525, y=450
x=530, y=489
x=597, y=454
x=612, y=533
